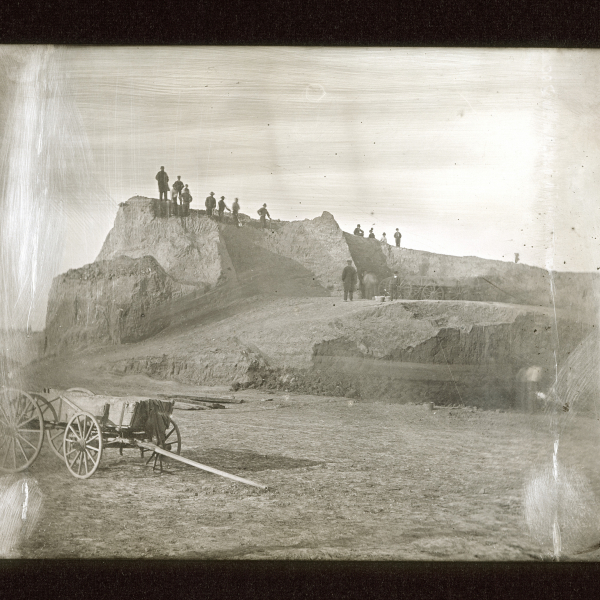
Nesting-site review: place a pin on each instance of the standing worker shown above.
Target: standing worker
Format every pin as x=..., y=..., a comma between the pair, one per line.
x=163, y=188
x=176, y=194
x=264, y=213
x=349, y=277
x=186, y=198
x=359, y=231
x=383, y=239
x=235, y=210
x=210, y=204
x=397, y=237
x=222, y=207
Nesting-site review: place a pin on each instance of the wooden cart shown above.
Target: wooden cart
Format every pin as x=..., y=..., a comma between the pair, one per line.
x=423, y=288
x=80, y=425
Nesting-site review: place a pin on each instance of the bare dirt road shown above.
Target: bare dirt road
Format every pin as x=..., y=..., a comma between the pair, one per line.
x=347, y=480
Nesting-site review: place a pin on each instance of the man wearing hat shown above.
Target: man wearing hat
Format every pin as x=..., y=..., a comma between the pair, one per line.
x=222, y=207
x=349, y=277
x=264, y=213
x=176, y=193
x=163, y=188
x=210, y=204
x=186, y=198
x=359, y=231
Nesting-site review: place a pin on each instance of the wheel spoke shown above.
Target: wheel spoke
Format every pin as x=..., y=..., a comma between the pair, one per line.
x=94, y=448
x=74, y=460
x=86, y=423
x=8, y=419
x=26, y=440
x=81, y=455
x=23, y=451
x=85, y=457
x=14, y=448
x=31, y=418
x=71, y=452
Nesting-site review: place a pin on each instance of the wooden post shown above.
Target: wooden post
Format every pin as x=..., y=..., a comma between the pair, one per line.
x=193, y=463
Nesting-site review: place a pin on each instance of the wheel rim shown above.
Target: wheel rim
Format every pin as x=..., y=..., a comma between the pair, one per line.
x=81, y=391
x=173, y=438
x=82, y=446
x=21, y=430
x=54, y=434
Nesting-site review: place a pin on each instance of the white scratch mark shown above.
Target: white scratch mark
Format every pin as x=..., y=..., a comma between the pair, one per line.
x=25, y=488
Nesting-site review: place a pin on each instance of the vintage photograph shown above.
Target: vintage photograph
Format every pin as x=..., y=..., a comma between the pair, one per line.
x=299, y=303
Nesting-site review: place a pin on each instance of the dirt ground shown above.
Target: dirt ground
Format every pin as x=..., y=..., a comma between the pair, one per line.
x=347, y=480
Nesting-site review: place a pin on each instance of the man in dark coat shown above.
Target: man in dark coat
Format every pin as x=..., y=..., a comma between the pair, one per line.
x=163, y=183
x=210, y=204
x=222, y=207
x=359, y=231
x=349, y=277
x=264, y=213
x=395, y=286
x=397, y=237
x=186, y=198
x=371, y=234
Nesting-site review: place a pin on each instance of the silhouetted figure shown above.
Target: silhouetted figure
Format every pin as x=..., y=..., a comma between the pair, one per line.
x=186, y=198
x=176, y=194
x=349, y=277
x=397, y=237
x=359, y=231
x=516, y=257
x=235, y=211
x=371, y=234
x=264, y=213
x=222, y=207
x=383, y=239
x=210, y=203
x=163, y=183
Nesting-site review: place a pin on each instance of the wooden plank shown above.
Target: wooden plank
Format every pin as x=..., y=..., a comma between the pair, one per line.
x=193, y=463
x=204, y=399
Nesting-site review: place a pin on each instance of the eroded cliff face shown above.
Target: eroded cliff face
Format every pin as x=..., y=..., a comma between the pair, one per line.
x=109, y=301
x=189, y=249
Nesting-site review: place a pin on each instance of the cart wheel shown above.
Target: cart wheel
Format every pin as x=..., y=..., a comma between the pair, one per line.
x=21, y=430
x=54, y=433
x=173, y=438
x=455, y=293
x=82, y=446
x=405, y=291
x=432, y=292
x=81, y=390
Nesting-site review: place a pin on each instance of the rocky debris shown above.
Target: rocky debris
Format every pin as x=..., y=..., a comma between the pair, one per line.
x=189, y=249
x=110, y=301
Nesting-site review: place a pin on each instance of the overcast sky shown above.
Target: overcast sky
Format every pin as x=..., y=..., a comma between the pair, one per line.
x=469, y=152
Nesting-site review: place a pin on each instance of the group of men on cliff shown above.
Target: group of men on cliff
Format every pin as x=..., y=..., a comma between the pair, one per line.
x=213, y=208
x=397, y=235
x=179, y=203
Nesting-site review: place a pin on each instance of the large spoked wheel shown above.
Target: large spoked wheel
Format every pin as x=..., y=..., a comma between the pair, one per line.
x=82, y=445
x=21, y=430
x=432, y=292
x=54, y=433
x=172, y=439
x=455, y=293
x=405, y=291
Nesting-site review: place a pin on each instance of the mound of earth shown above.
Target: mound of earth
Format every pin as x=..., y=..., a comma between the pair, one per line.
x=446, y=352
x=110, y=301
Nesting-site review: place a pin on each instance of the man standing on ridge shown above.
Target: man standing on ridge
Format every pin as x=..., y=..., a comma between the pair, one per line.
x=371, y=234
x=264, y=213
x=222, y=207
x=163, y=188
x=210, y=204
x=397, y=237
x=186, y=198
x=235, y=210
x=359, y=231
x=177, y=189
x=349, y=277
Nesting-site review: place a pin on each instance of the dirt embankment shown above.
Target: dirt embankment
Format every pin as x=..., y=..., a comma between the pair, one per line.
x=189, y=249
x=107, y=301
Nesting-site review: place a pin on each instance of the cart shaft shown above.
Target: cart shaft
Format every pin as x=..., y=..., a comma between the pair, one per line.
x=187, y=461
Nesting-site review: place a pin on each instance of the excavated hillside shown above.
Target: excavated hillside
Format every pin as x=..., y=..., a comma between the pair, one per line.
x=207, y=303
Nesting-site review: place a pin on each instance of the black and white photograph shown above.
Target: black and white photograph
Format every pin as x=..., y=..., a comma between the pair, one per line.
x=299, y=303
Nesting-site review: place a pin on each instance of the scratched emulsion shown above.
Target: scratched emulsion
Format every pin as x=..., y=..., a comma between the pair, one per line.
x=39, y=154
